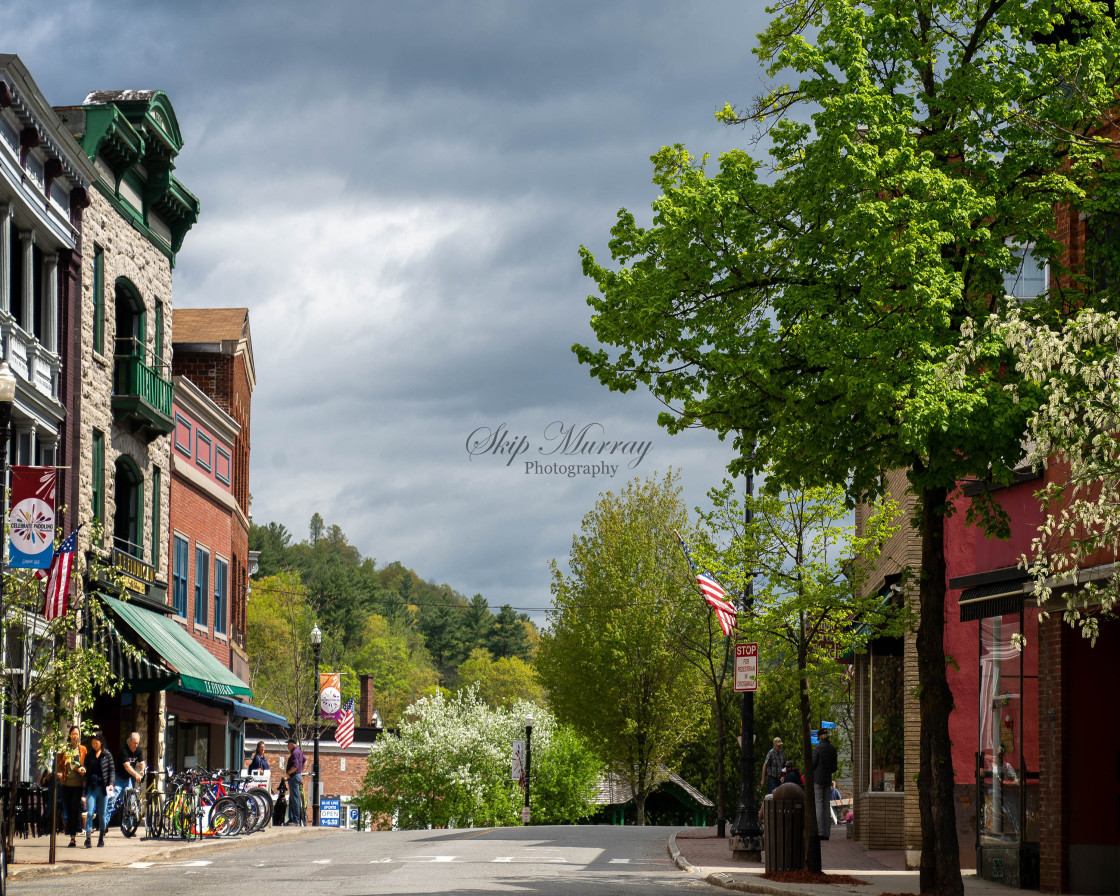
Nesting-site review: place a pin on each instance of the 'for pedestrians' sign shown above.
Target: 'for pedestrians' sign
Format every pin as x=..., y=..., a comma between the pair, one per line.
x=330, y=812
x=746, y=667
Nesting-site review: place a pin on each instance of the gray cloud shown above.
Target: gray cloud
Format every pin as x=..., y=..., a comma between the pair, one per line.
x=398, y=193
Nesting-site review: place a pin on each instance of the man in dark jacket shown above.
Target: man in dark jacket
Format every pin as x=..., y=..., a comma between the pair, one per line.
x=824, y=767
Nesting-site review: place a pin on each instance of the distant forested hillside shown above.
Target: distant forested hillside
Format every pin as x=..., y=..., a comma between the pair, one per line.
x=412, y=635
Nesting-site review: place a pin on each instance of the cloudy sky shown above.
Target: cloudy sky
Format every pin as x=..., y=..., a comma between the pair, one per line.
x=398, y=191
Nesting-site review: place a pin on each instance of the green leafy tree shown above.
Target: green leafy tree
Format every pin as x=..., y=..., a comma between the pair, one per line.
x=610, y=660
x=278, y=644
x=501, y=682
x=810, y=569
x=401, y=668
x=810, y=304
x=61, y=680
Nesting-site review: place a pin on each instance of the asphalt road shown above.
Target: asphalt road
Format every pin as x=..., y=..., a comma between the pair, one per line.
x=597, y=861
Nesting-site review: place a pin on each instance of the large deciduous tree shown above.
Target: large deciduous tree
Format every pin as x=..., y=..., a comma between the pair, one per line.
x=610, y=660
x=810, y=304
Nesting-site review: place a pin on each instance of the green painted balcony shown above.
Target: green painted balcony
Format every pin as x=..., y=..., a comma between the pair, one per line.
x=141, y=398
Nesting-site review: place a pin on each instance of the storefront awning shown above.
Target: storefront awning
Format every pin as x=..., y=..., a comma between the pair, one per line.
x=249, y=711
x=139, y=674
x=197, y=670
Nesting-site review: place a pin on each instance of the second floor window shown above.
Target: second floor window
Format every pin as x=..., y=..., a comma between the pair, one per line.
x=221, y=584
x=201, y=586
x=98, y=502
x=179, y=574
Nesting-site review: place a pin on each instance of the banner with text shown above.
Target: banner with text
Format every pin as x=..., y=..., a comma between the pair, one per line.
x=31, y=520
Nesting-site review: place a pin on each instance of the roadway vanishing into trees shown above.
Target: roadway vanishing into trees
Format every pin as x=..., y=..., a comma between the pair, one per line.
x=594, y=860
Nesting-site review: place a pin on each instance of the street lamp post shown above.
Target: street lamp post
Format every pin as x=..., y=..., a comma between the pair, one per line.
x=746, y=832
x=317, y=646
x=528, y=763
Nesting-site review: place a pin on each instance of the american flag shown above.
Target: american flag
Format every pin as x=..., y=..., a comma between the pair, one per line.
x=344, y=733
x=713, y=593
x=58, y=578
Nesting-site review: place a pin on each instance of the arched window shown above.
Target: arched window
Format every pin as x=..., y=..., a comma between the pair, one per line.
x=128, y=521
x=131, y=321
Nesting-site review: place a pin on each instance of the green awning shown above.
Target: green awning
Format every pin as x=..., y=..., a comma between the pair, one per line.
x=138, y=674
x=198, y=671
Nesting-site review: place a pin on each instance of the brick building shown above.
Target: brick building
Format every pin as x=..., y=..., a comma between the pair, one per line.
x=1032, y=808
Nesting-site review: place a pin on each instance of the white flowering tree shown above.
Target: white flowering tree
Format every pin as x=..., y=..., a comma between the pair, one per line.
x=1070, y=374
x=450, y=767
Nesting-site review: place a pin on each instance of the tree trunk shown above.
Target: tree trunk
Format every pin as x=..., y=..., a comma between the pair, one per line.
x=940, y=866
x=809, y=812
x=640, y=808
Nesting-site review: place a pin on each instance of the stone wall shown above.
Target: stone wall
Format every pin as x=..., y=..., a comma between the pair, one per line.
x=130, y=255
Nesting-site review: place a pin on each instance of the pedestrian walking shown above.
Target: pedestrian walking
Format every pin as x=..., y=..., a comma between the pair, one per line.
x=101, y=776
x=294, y=770
x=71, y=772
x=774, y=767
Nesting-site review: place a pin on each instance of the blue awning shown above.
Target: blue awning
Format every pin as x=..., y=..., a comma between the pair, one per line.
x=248, y=711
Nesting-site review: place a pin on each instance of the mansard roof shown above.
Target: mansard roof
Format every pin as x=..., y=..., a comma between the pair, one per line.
x=136, y=134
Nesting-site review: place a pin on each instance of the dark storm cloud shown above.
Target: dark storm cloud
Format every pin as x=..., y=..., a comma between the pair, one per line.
x=398, y=191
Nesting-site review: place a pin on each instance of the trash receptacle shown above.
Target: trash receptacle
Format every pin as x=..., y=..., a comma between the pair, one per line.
x=783, y=822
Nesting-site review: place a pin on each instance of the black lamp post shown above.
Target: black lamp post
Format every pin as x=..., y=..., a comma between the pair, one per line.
x=528, y=764
x=317, y=646
x=746, y=832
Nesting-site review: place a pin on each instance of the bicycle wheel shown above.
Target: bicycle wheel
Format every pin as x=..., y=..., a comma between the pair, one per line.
x=252, y=808
x=261, y=813
x=263, y=797
x=130, y=814
x=227, y=819
x=153, y=816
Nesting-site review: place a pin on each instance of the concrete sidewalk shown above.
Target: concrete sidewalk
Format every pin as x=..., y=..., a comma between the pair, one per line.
x=700, y=852
x=32, y=854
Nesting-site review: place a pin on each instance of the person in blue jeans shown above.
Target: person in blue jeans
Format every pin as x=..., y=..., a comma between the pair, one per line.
x=101, y=774
x=293, y=768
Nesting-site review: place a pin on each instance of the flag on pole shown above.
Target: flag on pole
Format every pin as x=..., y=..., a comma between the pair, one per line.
x=344, y=733
x=713, y=593
x=58, y=578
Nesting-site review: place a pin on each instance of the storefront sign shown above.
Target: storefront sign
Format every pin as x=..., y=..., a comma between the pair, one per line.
x=330, y=812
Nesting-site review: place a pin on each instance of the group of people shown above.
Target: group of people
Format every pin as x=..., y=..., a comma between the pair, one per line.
x=293, y=772
x=88, y=776
x=777, y=770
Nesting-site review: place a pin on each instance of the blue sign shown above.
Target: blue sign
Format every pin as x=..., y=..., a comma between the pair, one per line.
x=354, y=814
x=330, y=812
x=825, y=724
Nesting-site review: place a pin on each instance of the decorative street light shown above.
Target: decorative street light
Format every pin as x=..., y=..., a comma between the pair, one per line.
x=317, y=646
x=746, y=832
x=528, y=764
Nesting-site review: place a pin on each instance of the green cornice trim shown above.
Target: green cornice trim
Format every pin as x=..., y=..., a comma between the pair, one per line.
x=136, y=219
x=109, y=134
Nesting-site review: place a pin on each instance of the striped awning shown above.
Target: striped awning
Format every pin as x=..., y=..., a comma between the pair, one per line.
x=139, y=674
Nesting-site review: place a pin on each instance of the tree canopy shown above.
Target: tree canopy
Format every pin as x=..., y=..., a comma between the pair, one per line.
x=809, y=304
x=610, y=659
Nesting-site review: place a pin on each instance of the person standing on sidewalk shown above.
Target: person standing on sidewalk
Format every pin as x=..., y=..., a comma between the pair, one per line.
x=294, y=770
x=824, y=767
x=774, y=767
x=101, y=774
x=71, y=771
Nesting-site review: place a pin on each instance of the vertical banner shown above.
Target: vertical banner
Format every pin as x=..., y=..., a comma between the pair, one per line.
x=330, y=695
x=31, y=520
